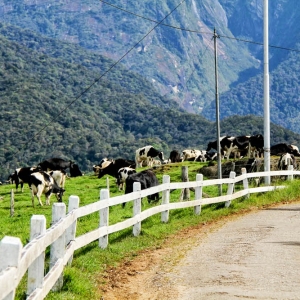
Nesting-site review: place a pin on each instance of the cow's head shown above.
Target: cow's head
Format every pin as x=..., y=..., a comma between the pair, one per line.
x=161, y=156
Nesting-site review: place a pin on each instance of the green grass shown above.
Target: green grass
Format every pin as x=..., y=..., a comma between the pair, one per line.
x=83, y=277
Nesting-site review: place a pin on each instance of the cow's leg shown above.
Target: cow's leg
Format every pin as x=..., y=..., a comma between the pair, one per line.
x=48, y=195
x=32, y=197
x=22, y=187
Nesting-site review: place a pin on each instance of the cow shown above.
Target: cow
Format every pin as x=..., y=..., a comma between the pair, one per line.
x=147, y=179
x=256, y=145
x=174, y=156
x=43, y=183
x=286, y=160
x=21, y=176
x=53, y=164
x=59, y=177
x=190, y=154
x=147, y=153
x=114, y=166
x=123, y=173
x=203, y=156
x=280, y=149
x=103, y=163
x=295, y=150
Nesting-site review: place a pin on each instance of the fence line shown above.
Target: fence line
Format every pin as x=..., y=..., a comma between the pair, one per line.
x=15, y=259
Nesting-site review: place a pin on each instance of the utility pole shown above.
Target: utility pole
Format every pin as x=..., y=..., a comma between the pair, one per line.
x=266, y=94
x=219, y=156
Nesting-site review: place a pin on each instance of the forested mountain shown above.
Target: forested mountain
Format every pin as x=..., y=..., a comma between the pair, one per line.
x=74, y=82
x=177, y=55
x=58, y=107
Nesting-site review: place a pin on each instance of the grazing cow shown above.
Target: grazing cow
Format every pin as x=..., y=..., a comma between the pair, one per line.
x=114, y=166
x=286, y=160
x=236, y=145
x=103, y=164
x=43, y=183
x=256, y=145
x=280, y=149
x=190, y=154
x=21, y=176
x=147, y=179
x=53, y=164
x=175, y=156
x=59, y=177
x=123, y=173
x=147, y=153
x=203, y=156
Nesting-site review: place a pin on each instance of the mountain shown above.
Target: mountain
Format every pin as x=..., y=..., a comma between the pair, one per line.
x=177, y=55
x=54, y=105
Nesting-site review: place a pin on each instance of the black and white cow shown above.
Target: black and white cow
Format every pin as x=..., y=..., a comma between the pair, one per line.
x=175, y=156
x=123, y=173
x=147, y=154
x=21, y=176
x=256, y=145
x=114, y=166
x=53, y=164
x=43, y=183
x=59, y=177
x=147, y=179
x=286, y=160
x=190, y=154
x=280, y=149
x=103, y=164
x=295, y=150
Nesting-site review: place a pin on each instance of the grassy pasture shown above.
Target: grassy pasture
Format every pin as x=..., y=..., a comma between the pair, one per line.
x=82, y=278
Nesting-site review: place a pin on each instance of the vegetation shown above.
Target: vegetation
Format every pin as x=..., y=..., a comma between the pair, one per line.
x=53, y=107
x=82, y=279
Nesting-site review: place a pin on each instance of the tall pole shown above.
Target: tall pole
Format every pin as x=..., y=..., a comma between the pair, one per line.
x=266, y=94
x=217, y=113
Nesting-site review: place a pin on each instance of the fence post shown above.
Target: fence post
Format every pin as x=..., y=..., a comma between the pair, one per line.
x=185, y=193
x=71, y=231
x=291, y=168
x=107, y=183
x=245, y=182
x=12, y=203
x=37, y=268
x=137, y=208
x=165, y=200
x=104, y=216
x=10, y=255
x=230, y=188
x=57, y=249
x=198, y=194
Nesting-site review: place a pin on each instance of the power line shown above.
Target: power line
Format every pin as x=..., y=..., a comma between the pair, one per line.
x=151, y=20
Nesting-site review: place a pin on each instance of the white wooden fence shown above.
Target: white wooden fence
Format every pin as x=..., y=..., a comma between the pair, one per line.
x=16, y=260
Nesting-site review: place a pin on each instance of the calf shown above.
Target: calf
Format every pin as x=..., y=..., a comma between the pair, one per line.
x=147, y=179
x=43, y=183
x=123, y=173
x=147, y=153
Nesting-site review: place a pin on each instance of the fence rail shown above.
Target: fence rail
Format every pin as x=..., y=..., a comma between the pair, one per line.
x=16, y=260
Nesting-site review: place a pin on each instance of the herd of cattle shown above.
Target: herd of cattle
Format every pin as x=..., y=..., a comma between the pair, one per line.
x=49, y=176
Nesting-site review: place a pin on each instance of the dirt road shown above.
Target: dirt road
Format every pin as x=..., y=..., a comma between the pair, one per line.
x=255, y=256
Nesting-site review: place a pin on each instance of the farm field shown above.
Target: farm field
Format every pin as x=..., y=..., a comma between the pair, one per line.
x=85, y=275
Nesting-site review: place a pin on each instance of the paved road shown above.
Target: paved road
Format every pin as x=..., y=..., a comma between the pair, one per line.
x=256, y=256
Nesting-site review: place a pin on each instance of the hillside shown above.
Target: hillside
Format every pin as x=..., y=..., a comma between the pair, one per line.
x=50, y=108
